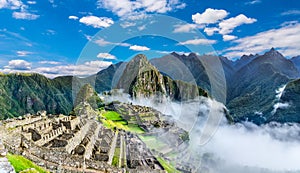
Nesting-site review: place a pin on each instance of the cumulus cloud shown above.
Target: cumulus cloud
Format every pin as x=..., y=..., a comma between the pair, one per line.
x=286, y=39
x=210, y=31
x=11, y=4
x=129, y=8
x=229, y=37
x=228, y=25
x=200, y=41
x=209, y=16
x=24, y=12
x=73, y=17
x=97, y=22
x=25, y=15
x=18, y=64
x=139, y=48
x=186, y=28
x=213, y=21
x=106, y=56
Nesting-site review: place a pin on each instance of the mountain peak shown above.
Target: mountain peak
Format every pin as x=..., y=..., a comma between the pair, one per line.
x=273, y=52
x=140, y=57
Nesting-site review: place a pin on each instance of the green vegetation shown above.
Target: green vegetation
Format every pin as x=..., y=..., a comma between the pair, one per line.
x=115, y=161
x=28, y=93
x=152, y=142
x=20, y=164
x=112, y=119
x=168, y=167
x=111, y=115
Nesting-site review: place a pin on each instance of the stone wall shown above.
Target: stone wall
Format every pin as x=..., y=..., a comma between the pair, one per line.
x=45, y=138
x=90, y=146
x=78, y=137
x=21, y=122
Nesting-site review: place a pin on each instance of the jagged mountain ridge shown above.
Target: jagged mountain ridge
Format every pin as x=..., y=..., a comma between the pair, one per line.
x=250, y=88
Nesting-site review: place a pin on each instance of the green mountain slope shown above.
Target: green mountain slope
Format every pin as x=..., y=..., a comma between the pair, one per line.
x=29, y=93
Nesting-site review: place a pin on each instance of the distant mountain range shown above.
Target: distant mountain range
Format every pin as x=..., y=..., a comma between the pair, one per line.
x=251, y=85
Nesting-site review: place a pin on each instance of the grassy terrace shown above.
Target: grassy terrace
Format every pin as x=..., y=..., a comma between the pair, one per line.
x=20, y=164
x=112, y=119
x=168, y=167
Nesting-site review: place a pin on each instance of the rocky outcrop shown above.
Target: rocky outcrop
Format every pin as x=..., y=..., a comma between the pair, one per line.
x=141, y=79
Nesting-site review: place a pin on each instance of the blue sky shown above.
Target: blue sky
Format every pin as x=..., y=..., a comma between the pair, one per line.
x=61, y=37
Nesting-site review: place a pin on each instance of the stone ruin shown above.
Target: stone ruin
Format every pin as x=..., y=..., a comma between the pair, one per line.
x=74, y=144
x=5, y=166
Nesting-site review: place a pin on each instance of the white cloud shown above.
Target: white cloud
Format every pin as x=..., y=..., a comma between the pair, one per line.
x=200, y=41
x=50, y=32
x=209, y=16
x=141, y=28
x=291, y=12
x=101, y=42
x=279, y=106
x=31, y=2
x=50, y=62
x=97, y=22
x=25, y=15
x=128, y=8
x=186, y=28
x=127, y=24
x=279, y=92
x=88, y=37
x=229, y=37
x=228, y=25
x=85, y=69
x=73, y=17
x=211, y=31
x=23, y=53
x=253, y=2
x=286, y=39
x=139, y=48
x=169, y=52
x=18, y=64
x=106, y=56
x=11, y=4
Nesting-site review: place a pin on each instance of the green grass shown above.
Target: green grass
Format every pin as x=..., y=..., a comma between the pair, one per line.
x=168, y=167
x=20, y=164
x=115, y=161
x=135, y=128
x=152, y=142
x=111, y=119
x=112, y=115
